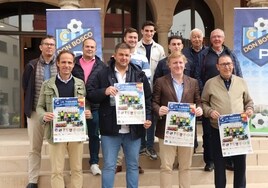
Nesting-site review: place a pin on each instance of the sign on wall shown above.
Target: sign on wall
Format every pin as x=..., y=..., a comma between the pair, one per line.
x=71, y=27
x=251, y=48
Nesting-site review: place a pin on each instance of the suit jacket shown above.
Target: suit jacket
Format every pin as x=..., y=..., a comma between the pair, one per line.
x=164, y=92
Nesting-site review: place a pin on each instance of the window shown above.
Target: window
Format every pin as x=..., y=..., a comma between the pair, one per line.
x=3, y=98
x=3, y=46
x=3, y=72
x=15, y=50
x=16, y=74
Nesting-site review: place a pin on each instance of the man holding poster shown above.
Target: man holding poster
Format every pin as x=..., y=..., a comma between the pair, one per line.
x=174, y=87
x=114, y=135
x=62, y=85
x=226, y=94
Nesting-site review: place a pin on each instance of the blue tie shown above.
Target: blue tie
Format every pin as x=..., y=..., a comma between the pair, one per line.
x=47, y=72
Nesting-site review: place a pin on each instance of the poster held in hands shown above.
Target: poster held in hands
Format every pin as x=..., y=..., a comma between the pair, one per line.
x=69, y=123
x=234, y=134
x=180, y=124
x=130, y=103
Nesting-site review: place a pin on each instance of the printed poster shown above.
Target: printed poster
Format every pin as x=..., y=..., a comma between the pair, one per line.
x=73, y=27
x=69, y=123
x=130, y=103
x=180, y=124
x=251, y=48
x=234, y=134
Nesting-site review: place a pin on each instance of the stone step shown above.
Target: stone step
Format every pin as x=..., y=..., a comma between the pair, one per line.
x=19, y=163
x=21, y=148
x=255, y=176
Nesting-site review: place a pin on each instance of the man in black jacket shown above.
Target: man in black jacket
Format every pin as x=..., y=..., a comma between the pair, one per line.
x=101, y=90
x=86, y=68
x=36, y=71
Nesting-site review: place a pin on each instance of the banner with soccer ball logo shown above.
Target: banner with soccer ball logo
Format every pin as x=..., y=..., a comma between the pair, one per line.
x=251, y=48
x=71, y=27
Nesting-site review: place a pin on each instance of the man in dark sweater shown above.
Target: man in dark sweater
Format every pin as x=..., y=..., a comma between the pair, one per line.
x=86, y=67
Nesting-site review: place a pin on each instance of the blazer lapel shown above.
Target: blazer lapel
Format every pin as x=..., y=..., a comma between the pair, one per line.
x=186, y=88
x=171, y=89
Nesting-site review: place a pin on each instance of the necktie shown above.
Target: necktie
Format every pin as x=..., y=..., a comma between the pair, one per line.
x=46, y=72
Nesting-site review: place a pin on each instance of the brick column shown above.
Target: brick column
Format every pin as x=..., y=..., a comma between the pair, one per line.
x=162, y=31
x=258, y=3
x=69, y=4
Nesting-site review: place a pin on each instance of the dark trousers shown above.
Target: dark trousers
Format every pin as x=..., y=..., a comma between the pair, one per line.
x=207, y=142
x=94, y=139
x=147, y=141
x=219, y=162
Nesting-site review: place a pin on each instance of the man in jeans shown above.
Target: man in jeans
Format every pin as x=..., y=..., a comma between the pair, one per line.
x=86, y=67
x=131, y=38
x=101, y=90
x=36, y=71
x=154, y=53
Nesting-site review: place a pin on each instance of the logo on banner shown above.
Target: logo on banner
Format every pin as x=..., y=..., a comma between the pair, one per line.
x=72, y=36
x=255, y=42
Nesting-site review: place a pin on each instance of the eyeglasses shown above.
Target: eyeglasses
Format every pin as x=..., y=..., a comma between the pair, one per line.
x=48, y=44
x=228, y=64
x=216, y=36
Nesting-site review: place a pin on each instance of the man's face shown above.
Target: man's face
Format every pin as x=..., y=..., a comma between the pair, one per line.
x=131, y=39
x=225, y=66
x=175, y=45
x=176, y=66
x=48, y=47
x=65, y=64
x=196, y=39
x=217, y=38
x=89, y=49
x=148, y=33
x=122, y=58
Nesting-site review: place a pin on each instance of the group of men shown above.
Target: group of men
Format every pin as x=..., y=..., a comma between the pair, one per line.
x=133, y=61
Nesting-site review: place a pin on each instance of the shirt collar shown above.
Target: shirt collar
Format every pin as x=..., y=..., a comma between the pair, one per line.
x=93, y=59
x=64, y=81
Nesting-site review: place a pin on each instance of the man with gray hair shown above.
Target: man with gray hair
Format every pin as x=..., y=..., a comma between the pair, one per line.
x=206, y=69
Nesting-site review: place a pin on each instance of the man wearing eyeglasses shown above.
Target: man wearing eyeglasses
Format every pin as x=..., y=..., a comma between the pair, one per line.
x=226, y=94
x=36, y=72
x=205, y=70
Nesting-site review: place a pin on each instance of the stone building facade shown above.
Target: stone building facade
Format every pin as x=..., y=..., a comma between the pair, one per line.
x=20, y=38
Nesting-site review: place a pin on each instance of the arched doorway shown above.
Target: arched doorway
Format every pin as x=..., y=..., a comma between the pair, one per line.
x=191, y=14
x=121, y=14
x=21, y=28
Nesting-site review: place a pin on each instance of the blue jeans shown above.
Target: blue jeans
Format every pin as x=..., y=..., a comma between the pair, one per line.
x=147, y=141
x=94, y=139
x=110, y=148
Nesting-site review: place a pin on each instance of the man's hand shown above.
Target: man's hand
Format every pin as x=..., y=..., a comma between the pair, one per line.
x=111, y=90
x=163, y=110
x=214, y=114
x=48, y=117
x=147, y=124
x=198, y=111
x=88, y=114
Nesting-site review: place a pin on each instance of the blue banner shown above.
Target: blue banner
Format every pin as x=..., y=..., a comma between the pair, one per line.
x=251, y=48
x=71, y=27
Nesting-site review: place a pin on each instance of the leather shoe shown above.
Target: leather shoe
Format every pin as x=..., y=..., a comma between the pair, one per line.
x=32, y=185
x=209, y=167
x=229, y=167
x=141, y=171
x=118, y=169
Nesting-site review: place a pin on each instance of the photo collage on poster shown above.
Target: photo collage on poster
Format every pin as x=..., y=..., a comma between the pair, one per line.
x=69, y=122
x=180, y=124
x=130, y=104
x=234, y=134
